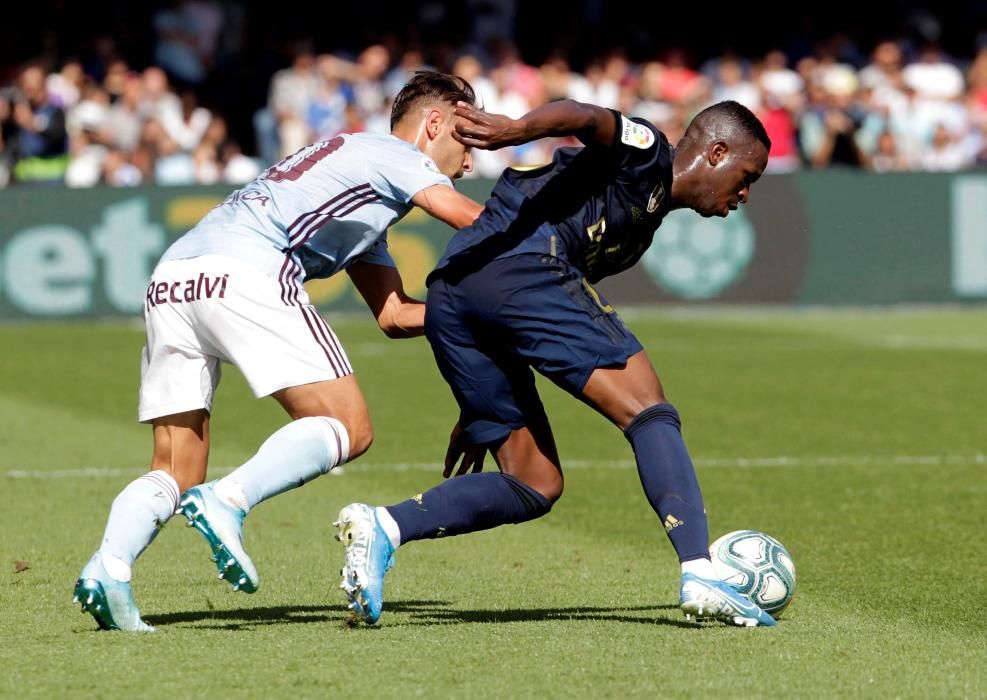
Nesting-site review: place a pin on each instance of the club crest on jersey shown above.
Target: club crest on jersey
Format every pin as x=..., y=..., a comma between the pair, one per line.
x=634, y=134
x=657, y=197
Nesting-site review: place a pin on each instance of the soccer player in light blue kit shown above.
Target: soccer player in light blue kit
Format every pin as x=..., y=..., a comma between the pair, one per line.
x=230, y=290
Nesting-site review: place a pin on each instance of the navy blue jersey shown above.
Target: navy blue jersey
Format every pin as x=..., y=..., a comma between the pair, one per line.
x=595, y=207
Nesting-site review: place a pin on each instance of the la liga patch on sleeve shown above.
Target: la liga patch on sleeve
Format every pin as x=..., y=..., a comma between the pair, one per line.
x=430, y=166
x=634, y=134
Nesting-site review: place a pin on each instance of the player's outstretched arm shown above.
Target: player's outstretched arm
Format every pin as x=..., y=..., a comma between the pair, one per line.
x=588, y=123
x=397, y=314
x=448, y=205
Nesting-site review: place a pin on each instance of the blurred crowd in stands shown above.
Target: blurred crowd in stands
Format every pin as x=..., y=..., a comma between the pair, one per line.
x=890, y=107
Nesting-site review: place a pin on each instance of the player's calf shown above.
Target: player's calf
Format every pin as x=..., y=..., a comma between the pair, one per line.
x=468, y=503
x=464, y=504
x=669, y=479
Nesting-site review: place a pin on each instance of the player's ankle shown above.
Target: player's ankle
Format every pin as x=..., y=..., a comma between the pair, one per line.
x=389, y=526
x=701, y=567
x=232, y=494
x=117, y=568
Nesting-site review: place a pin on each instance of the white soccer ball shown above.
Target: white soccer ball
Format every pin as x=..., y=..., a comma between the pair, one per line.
x=757, y=565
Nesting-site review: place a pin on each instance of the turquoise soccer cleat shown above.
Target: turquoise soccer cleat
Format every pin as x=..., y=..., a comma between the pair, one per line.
x=110, y=602
x=710, y=599
x=222, y=526
x=369, y=555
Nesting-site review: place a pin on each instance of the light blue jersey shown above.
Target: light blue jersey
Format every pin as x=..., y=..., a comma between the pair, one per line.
x=317, y=211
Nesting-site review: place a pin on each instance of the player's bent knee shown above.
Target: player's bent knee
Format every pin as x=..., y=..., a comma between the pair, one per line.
x=551, y=489
x=361, y=435
x=661, y=412
x=548, y=486
x=535, y=502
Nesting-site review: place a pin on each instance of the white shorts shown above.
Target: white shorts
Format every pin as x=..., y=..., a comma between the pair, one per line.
x=200, y=311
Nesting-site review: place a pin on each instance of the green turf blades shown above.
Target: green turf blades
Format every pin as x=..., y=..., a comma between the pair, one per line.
x=807, y=427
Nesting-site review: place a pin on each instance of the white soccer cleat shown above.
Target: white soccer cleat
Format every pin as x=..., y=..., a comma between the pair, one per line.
x=110, y=602
x=369, y=555
x=711, y=599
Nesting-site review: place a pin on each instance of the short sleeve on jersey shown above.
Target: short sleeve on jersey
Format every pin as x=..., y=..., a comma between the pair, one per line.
x=401, y=173
x=378, y=254
x=637, y=147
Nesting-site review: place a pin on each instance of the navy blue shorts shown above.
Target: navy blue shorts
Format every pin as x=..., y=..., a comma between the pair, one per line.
x=489, y=328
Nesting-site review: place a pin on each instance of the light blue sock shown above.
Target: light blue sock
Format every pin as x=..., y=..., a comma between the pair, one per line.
x=294, y=455
x=138, y=512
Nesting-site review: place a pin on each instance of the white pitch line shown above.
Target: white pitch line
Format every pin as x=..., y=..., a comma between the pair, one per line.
x=703, y=462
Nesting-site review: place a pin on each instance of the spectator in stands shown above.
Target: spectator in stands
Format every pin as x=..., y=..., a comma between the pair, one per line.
x=124, y=119
x=206, y=165
x=883, y=75
x=119, y=171
x=781, y=129
x=87, y=144
x=679, y=83
x=947, y=152
x=411, y=60
x=158, y=102
x=115, y=80
x=125, y=127
x=977, y=93
x=39, y=142
x=238, y=169
x=886, y=157
x=827, y=129
x=187, y=31
x=187, y=127
x=469, y=68
x=281, y=128
x=367, y=80
x=325, y=115
x=731, y=84
x=65, y=87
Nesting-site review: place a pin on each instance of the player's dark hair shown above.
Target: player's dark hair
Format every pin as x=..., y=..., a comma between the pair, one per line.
x=726, y=119
x=430, y=86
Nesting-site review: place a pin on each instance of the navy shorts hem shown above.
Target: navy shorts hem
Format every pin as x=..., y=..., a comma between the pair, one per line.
x=486, y=432
x=491, y=328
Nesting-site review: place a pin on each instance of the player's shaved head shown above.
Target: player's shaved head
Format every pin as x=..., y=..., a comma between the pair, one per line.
x=729, y=122
x=430, y=87
x=722, y=153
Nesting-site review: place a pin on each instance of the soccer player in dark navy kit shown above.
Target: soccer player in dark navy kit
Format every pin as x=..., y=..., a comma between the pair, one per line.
x=514, y=291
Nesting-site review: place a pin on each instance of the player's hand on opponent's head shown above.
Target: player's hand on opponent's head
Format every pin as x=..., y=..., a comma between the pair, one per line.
x=460, y=446
x=479, y=129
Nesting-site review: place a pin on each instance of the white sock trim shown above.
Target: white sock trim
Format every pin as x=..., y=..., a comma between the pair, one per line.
x=703, y=568
x=165, y=481
x=389, y=525
x=336, y=435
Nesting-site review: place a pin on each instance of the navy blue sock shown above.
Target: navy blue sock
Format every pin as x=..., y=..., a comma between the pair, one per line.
x=669, y=479
x=467, y=504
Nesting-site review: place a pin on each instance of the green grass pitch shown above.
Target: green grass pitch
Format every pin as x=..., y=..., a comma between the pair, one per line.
x=857, y=438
